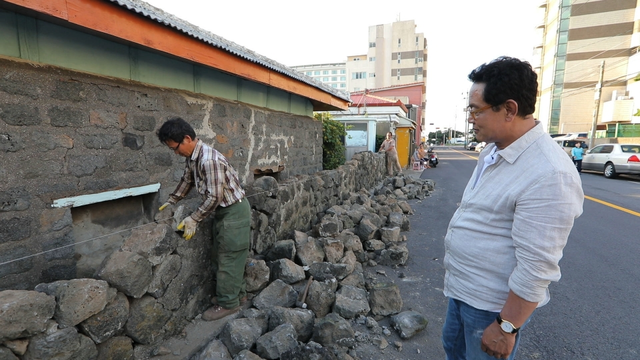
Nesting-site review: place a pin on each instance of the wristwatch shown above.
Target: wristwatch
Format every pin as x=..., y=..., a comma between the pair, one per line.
x=506, y=326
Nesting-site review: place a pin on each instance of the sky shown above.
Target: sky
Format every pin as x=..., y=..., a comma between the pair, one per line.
x=461, y=35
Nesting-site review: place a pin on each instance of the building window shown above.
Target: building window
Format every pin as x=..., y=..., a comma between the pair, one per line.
x=343, y=71
x=334, y=78
x=372, y=75
x=356, y=59
x=325, y=79
x=325, y=72
x=372, y=58
x=372, y=44
x=343, y=85
x=399, y=42
x=398, y=74
x=417, y=40
x=334, y=86
x=359, y=75
x=316, y=73
x=309, y=73
x=333, y=72
x=399, y=57
x=343, y=78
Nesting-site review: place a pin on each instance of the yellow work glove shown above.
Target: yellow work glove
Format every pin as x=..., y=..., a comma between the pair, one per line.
x=164, y=206
x=188, y=225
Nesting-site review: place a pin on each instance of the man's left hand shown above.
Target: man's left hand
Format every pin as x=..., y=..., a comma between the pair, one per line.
x=189, y=226
x=496, y=342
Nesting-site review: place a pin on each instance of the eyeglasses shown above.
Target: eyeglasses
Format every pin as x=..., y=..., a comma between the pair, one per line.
x=475, y=113
x=175, y=148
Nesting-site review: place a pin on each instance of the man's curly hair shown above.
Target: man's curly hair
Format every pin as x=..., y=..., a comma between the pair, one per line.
x=508, y=78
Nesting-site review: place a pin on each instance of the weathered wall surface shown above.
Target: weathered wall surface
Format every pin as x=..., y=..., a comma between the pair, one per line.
x=155, y=283
x=65, y=133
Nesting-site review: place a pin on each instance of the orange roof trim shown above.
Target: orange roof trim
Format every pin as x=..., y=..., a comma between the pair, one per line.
x=114, y=20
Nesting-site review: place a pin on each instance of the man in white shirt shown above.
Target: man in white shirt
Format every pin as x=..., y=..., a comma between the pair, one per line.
x=504, y=242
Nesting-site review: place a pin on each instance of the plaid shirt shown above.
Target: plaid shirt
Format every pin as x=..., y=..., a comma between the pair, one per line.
x=214, y=178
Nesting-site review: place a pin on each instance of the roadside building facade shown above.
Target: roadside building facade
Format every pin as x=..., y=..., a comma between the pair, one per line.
x=583, y=44
x=332, y=74
x=370, y=116
x=396, y=57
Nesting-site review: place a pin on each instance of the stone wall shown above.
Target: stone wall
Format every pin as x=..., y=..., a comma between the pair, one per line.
x=155, y=282
x=65, y=133
x=298, y=203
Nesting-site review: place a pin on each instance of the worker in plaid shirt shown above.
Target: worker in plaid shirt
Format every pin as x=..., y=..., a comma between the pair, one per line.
x=218, y=184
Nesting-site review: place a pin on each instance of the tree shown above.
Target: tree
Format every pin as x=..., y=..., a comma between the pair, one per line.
x=442, y=137
x=333, y=133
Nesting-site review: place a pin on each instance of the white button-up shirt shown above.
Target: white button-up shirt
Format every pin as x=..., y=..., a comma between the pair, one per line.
x=512, y=224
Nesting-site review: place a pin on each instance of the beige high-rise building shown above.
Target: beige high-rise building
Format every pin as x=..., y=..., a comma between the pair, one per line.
x=582, y=41
x=397, y=55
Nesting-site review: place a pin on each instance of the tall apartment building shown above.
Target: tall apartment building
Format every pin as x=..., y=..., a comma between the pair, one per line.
x=577, y=38
x=333, y=74
x=396, y=55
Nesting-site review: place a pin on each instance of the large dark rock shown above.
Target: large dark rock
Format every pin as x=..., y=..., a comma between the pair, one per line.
x=333, y=330
x=78, y=299
x=105, y=324
x=24, y=313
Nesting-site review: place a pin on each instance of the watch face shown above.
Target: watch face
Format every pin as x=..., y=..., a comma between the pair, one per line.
x=506, y=327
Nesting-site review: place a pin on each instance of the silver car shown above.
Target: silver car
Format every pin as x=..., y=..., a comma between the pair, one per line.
x=613, y=159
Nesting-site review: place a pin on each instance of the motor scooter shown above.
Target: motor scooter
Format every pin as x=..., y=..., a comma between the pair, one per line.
x=432, y=156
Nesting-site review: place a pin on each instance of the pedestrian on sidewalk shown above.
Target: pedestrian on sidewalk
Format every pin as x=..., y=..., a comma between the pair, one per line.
x=391, y=155
x=218, y=184
x=576, y=155
x=423, y=155
x=504, y=242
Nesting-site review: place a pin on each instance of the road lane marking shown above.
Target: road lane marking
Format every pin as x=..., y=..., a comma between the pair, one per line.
x=467, y=155
x=613, y=206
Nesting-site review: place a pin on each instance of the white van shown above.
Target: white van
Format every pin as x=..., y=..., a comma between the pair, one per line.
x=568, y=143
x=577, y=135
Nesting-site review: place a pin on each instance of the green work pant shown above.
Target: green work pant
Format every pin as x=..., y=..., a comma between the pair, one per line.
x=231, y=240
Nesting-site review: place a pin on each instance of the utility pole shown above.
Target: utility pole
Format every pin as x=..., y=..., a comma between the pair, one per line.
x=596, y=109
x=466, y=119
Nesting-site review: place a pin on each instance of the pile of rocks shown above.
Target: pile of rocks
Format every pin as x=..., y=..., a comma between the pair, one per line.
x=311, y=297
x=143, y=293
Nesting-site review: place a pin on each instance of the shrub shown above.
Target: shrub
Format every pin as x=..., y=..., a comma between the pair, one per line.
x=333, y=149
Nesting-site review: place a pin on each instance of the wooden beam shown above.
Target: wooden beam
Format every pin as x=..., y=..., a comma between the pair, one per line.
x=82, y=200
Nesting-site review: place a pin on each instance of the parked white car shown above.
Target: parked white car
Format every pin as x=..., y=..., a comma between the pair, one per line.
x=480, y=146
x=613, y=159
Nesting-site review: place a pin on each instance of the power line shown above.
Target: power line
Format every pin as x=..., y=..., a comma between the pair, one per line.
x=110, y=234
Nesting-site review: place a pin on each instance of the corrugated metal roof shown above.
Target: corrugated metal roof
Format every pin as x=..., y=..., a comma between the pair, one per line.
x=364, y=100
x=170, y=20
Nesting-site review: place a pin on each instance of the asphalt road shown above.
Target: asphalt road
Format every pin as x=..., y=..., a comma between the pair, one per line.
x=594, y=312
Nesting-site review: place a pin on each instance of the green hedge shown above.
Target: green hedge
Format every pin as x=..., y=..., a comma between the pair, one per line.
x=333, y=149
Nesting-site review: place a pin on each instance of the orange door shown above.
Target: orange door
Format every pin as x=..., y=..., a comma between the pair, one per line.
x=403, y=142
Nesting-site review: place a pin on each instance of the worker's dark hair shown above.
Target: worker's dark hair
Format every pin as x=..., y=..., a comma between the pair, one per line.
x=175, y=129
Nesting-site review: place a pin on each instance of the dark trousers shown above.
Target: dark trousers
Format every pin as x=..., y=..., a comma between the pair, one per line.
x=578, y=164
x=231, y=241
